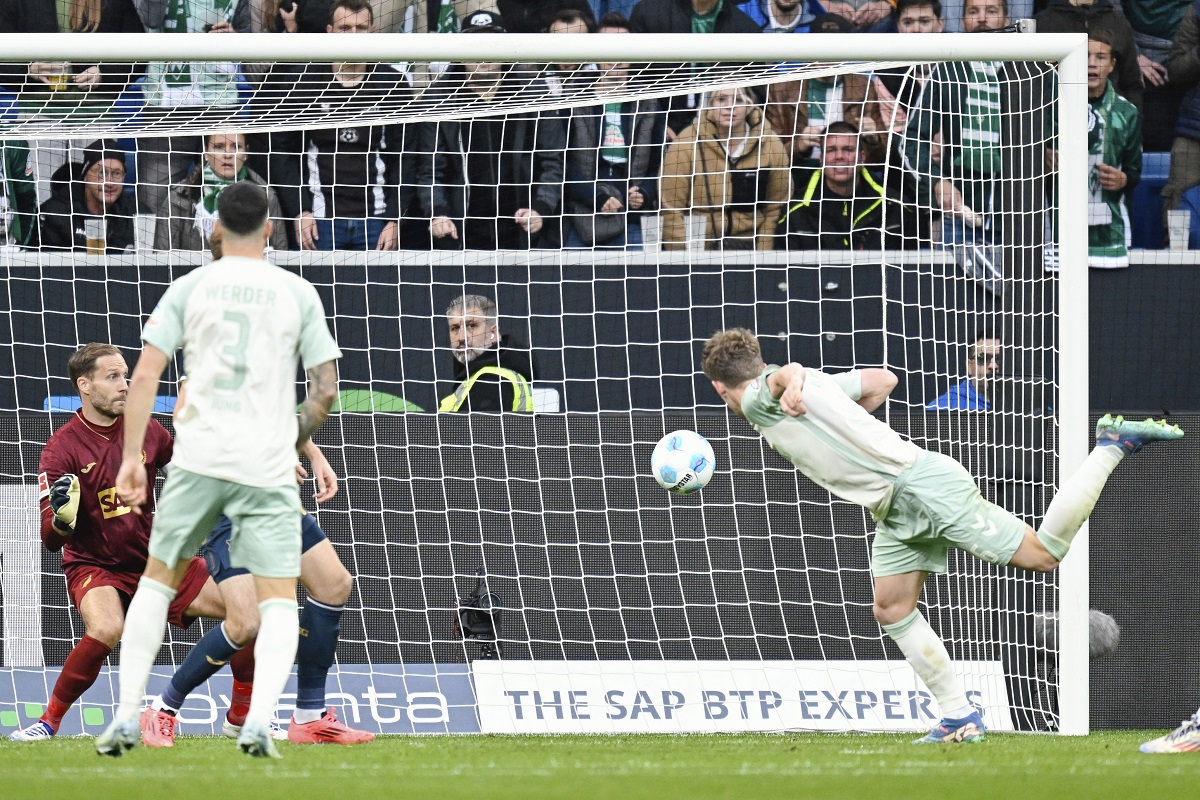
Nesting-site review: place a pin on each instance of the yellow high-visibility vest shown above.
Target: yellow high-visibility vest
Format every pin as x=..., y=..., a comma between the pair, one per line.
x=522, y=398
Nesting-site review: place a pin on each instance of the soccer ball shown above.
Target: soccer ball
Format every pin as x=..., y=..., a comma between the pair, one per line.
x=683, y=462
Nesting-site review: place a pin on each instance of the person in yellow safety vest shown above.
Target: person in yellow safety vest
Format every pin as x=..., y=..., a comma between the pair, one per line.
x=491, y=372
x=841, y=205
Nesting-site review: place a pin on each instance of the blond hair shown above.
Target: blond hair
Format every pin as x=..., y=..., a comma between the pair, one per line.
x=732, y=357
x=85, y=15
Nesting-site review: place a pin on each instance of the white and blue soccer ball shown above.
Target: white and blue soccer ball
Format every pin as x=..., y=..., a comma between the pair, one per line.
x=683, y=462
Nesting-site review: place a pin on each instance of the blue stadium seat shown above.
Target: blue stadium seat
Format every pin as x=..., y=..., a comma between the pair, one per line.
x=68, y=403
x=1146, y=205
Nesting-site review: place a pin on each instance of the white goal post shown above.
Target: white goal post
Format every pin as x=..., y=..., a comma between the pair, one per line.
x=740, y=60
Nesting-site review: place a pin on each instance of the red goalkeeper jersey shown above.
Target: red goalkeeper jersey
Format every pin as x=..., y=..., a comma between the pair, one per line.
x=107, y=532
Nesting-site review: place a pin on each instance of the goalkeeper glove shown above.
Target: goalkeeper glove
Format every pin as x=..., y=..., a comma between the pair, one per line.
x=64, y=502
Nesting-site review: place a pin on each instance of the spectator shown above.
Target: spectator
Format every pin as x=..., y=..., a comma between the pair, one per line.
x=186, y=222
x=613, y=156
x=841, y=206
x=535, y=16
x=173, y=86
x=311, y=16
x=952, y=146
x=1085, y=16
x=898, y=88
x=66, y=84
x=570, y=78
x=349, y=177
x=493, y=182
x=1183, y=65
x=102, y=81
x=1115, y=151
x=799, y=110
x=87, y=192
x=18, y=197
x=971, y=393
x=729, y=170
x=919, y=16
x=864, y=16
x=493, y=372
x=688, y=16
x=952, y=12
x=1155, y=23
x=781, y=16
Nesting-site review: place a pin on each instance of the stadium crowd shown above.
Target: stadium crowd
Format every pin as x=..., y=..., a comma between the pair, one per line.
x=793, y=165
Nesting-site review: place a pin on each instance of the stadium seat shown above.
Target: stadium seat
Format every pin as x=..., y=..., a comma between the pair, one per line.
x=69, y=403
x=546, y=400
x=1146, y=204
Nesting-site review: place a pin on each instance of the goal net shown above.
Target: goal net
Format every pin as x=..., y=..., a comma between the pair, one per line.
x=857, y=201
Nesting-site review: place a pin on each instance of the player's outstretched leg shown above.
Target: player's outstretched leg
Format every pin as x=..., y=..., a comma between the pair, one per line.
x=1184, y=739
x=78, y=674
x=1116, y=438
x=1133, y=436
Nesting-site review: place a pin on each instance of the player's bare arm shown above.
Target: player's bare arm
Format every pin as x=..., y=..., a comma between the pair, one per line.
x=322, y=391
x=323, y=474
x=143, y=388
x=787, y=386
x=877, y=386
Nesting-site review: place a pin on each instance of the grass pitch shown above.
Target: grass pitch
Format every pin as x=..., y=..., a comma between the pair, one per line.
x=746, y=767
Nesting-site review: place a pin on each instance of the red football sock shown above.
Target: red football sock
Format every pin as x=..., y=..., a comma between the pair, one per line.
x=242, y=666
x=78, y=673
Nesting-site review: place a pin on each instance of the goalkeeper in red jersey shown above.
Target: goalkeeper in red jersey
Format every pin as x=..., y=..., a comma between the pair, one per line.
x=104, y=544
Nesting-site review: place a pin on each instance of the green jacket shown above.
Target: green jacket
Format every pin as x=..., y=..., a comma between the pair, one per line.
x=950, y=97
x=18, y=191
x=1114, y=138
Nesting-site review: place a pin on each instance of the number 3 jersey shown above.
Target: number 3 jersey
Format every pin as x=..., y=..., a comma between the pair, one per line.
x=107, y=532
x=242, y=324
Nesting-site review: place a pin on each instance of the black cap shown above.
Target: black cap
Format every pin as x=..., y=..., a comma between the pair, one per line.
x=483, y=22
x=101, y=150
x=831, y=23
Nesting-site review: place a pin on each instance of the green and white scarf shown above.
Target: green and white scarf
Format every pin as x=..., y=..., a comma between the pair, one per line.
x=211, y=187
x=185, y=83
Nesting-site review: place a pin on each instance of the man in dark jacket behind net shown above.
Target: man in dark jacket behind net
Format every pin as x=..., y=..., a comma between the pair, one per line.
x=89, y=197
x=491, y=372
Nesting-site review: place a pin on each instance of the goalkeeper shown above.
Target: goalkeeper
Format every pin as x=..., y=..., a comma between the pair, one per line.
x=923, y=502
x=104, y=546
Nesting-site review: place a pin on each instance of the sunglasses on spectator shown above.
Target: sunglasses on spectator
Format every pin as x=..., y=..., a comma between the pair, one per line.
x=983, y=358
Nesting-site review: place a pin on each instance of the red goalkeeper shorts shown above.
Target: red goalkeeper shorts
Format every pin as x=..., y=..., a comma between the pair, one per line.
x=85, y=577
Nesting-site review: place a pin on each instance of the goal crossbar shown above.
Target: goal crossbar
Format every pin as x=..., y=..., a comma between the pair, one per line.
x=659, y=48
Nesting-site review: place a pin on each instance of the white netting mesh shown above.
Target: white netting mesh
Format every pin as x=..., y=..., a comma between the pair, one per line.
x=863, y=262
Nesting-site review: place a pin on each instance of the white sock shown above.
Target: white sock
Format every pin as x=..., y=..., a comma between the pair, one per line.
x=145, y=622
x=929, y=659
x=303, y=715
x=1075, y=500
x=274, y=652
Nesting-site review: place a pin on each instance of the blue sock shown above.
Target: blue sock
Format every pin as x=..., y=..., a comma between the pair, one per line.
x=319, y=628
x=211, y=653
